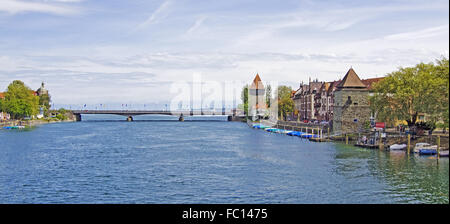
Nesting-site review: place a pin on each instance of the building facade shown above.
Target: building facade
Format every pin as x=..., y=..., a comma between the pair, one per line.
x=351, y=104
x=306, y=99
x=315, y=101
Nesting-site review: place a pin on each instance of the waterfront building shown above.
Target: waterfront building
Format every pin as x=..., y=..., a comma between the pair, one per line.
x=41, y=91
x=351, y=104
x=330, y=98
x=369, y=83
x=322, y=106
x=3, y=115
x=323, y=103
x=256, y=98
x=298, y=101
x=306, y=99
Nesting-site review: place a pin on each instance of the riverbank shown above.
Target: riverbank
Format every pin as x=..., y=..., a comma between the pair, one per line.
x=324, y=135
x=29, y=123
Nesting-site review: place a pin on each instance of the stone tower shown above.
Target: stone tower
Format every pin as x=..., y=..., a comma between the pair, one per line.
x=351, y=104
x=256, y=101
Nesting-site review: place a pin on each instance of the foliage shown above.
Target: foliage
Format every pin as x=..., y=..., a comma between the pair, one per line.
x=61, y=117
x=19, y=101
x=244, y=98
x=426, y=125
x=44, y=100
x=405, y=93
x=268, y=95
x=367, y=125
x=62, y=111
x=285, y=102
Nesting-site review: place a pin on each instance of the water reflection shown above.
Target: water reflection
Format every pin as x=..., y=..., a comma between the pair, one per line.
x=409, y=179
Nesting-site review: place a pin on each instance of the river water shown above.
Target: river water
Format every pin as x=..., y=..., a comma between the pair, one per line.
x=106, y=160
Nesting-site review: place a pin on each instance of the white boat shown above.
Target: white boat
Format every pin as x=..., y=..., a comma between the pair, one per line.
x=397, y=147
x=285, y=131
x=422, y=145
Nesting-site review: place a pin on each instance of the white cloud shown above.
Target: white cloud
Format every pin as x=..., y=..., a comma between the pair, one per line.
x=160, y=13
x=289, y=46
x=419, y=34
x=196, y=25
x=16, y=6
x=64, y=0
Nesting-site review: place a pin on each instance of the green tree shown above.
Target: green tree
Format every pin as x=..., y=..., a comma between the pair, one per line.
x=405, y=93
x=268, y=95
x=244, y=98
x=442, y=71
x=44, y=101
x=20, y=101
x=62, y=114
x=285, y=102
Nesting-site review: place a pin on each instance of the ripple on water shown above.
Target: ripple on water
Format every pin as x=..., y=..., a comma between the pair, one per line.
x=204, y=162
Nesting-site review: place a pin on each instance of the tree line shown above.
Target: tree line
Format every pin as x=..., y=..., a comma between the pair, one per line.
x=408, y=92
x=283, y=99
x=20, y=101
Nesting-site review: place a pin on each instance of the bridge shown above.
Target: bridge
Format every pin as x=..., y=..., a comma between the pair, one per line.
x=232, y=115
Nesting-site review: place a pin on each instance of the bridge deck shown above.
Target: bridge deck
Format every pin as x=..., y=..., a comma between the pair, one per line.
x=143, y=112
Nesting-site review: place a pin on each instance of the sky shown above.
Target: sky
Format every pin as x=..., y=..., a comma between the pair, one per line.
x=116, y=52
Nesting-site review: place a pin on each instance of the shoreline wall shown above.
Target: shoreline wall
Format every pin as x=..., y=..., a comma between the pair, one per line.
x=30, y=122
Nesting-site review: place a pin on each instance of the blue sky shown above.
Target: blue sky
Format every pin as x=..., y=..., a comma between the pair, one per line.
x=111, y=51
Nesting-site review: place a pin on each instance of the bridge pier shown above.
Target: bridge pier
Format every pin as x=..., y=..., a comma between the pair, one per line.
x=78, y=117
x=129, y=118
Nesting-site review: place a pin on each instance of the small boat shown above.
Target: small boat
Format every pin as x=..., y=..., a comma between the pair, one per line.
x=260, y=126
x=443, y=154
x=282, y=131
x=309, y=136
x=397, y=147
x=14, y=127
x=423, y=145
x=427, y=152
x=295, y=133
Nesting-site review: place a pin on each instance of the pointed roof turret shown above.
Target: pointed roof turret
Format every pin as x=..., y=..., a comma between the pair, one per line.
x=351, y=80
x=257, y=83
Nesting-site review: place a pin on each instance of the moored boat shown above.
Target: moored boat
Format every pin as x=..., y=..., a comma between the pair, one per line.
x=427, y=152
x=295, y=133
x=14, y=127
x=309, y=136
x=260, y=126
x=398, y=147
x=423, y=145
x=283, y=131
x=443, y=154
